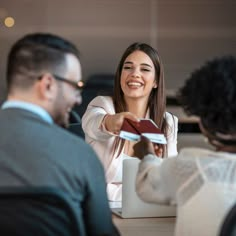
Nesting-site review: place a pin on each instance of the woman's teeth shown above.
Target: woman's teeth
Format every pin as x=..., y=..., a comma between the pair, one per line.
x=134, y=84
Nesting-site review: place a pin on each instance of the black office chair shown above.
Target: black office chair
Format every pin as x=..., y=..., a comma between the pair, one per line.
x=36, y=211
x=228, y=227
x=97, y=84
x=75, y=125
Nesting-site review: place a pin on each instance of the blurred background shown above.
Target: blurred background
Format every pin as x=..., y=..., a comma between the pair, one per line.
x=185, y=32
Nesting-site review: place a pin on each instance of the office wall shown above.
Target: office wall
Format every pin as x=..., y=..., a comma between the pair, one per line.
x=186, y=32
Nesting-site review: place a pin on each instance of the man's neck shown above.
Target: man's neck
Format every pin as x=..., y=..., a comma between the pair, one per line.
x=23, y=98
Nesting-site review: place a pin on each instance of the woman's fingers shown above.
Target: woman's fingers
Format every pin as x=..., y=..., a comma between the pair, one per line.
x=131, y=116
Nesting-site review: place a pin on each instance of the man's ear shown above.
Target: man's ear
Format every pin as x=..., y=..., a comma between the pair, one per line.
x=46, y=87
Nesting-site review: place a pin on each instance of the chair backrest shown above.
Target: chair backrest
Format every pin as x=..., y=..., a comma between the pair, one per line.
x=228, y=227
x=75, y=125
x=37, y=211
x=97, y=84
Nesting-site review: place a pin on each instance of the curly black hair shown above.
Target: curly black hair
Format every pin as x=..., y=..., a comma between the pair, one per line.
x=210, y=93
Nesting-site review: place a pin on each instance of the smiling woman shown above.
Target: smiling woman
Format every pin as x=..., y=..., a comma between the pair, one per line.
x=139, y=92
x=138, y=77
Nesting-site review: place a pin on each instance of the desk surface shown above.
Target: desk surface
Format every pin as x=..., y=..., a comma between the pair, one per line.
x=145, y=226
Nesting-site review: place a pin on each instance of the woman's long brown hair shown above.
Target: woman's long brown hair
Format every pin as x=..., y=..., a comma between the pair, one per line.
x=157, y=98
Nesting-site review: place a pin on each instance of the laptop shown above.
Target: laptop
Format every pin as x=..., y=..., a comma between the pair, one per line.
x=132, y=206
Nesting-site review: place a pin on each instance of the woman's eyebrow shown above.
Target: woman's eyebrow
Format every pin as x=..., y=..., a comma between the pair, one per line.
x=142, y=64
x=145, y=64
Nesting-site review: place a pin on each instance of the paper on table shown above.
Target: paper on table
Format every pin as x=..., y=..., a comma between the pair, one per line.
x=132, y=130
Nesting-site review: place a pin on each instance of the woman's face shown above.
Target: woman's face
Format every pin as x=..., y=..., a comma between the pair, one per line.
x=138, y=76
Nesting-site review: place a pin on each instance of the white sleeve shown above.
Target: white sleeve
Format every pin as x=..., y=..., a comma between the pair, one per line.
x=150, y=184
x=92, y=120
x=172, y=134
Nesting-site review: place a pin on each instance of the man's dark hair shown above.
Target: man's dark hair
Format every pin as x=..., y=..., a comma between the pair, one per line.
x=34, y=54
x=210, y=93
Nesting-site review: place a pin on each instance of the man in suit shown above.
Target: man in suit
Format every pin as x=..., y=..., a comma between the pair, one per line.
x=44, y=83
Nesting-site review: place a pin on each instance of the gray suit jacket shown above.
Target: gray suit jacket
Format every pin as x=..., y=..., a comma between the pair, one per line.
x=34, y=152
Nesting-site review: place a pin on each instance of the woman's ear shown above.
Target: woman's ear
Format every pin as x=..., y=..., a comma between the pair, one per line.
x=155, y=85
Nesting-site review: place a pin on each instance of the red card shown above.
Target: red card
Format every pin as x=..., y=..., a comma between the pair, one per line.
x=132, y=130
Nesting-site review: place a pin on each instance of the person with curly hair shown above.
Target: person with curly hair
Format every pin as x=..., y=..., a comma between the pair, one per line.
x=202, y=183
x=139, y=92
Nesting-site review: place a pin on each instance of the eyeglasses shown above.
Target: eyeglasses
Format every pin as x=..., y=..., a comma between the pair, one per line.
x=77, y=85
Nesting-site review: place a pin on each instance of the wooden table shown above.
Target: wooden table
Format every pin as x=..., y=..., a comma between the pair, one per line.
x=145, y=226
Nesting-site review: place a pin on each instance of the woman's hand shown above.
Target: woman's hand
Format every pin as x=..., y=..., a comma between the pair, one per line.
x=113, y=123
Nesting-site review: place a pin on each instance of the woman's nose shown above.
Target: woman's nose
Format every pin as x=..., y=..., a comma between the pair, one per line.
x=135, y=72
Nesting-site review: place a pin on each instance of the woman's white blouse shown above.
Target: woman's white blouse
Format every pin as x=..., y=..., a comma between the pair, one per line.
x=108, y=146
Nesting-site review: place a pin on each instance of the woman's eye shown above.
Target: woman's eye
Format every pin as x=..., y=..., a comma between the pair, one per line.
x=127, y=67
x=144, y=69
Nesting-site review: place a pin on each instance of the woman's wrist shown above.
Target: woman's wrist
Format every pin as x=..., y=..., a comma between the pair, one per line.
x=105, y=122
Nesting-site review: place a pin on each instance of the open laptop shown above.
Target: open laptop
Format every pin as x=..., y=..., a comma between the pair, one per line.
x=132, y=206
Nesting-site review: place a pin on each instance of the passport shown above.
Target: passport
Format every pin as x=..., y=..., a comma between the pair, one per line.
x=132, y=131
